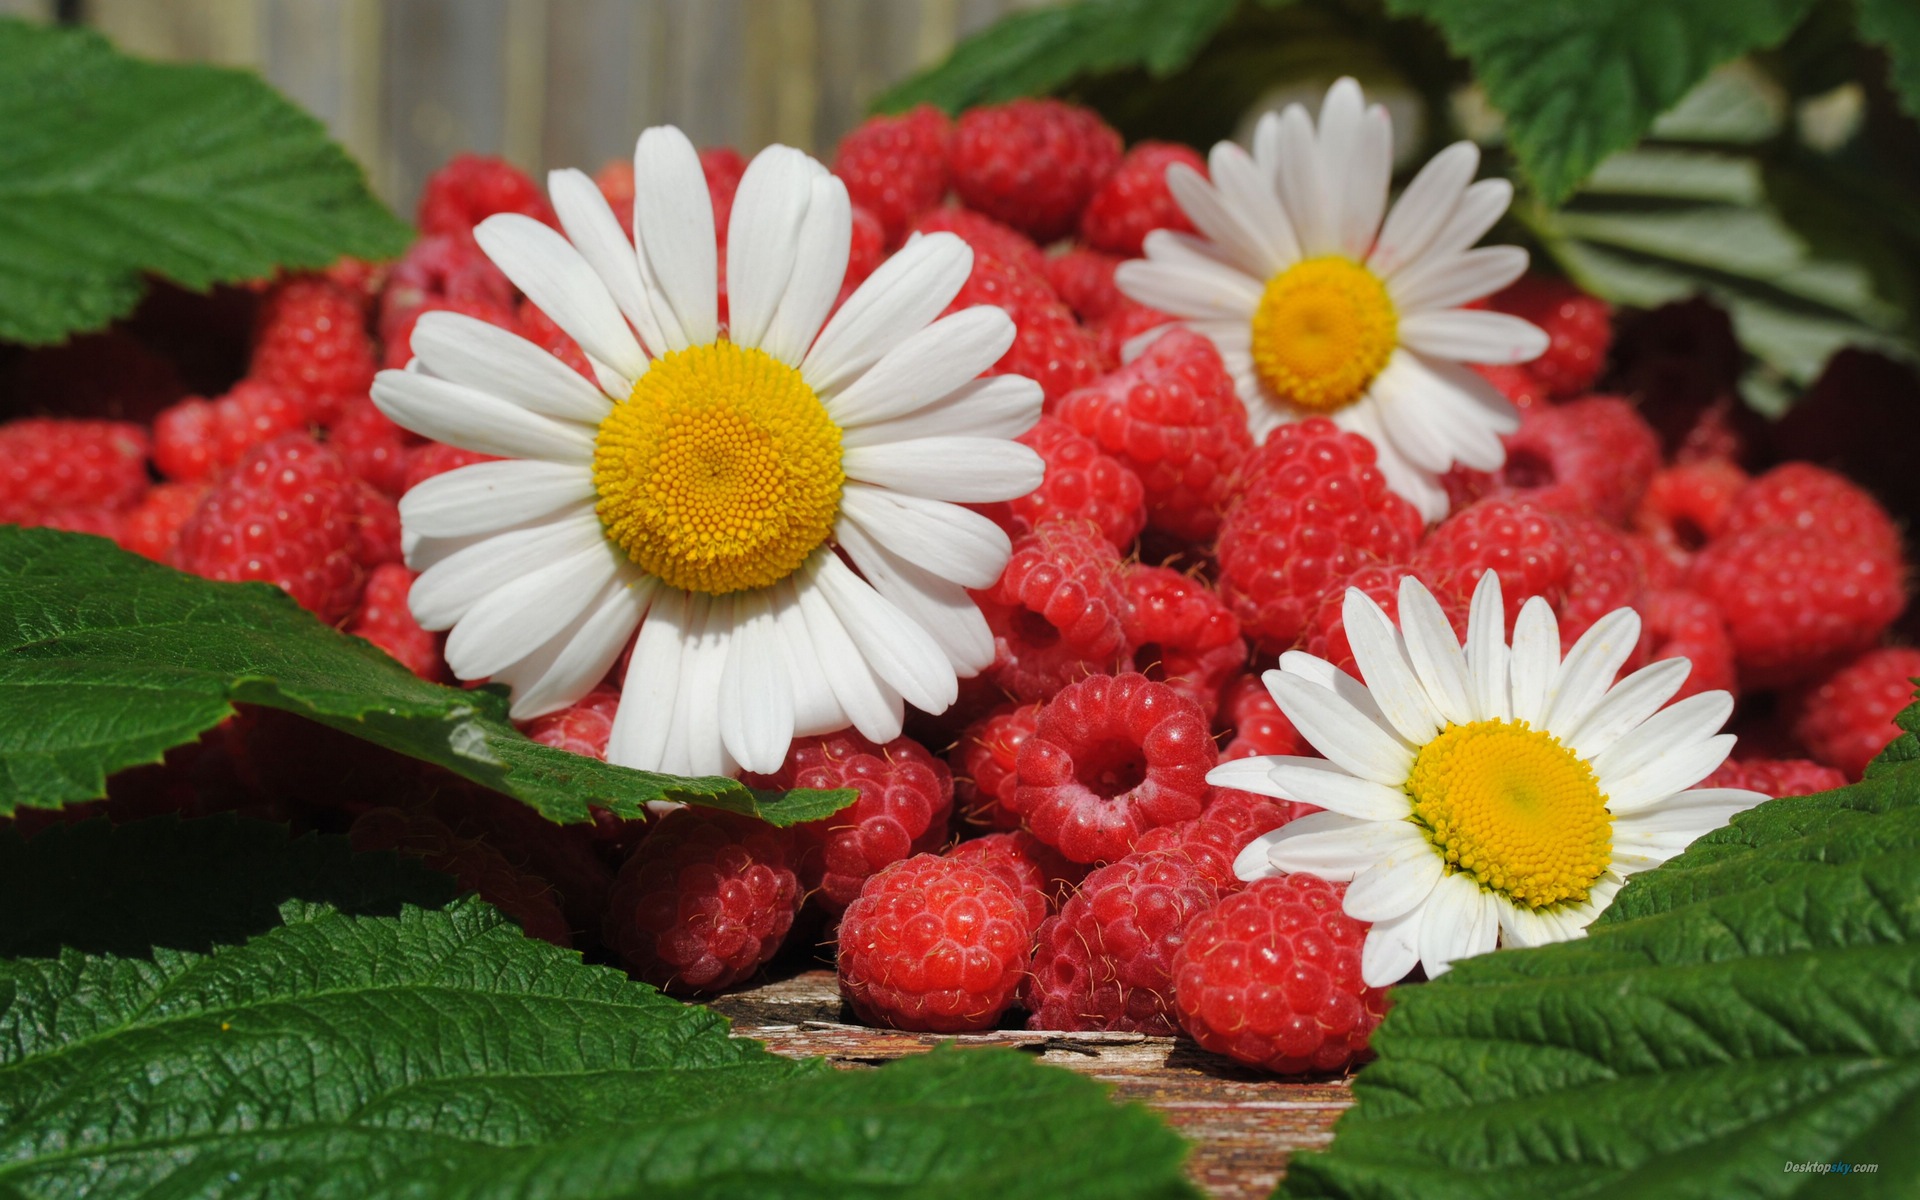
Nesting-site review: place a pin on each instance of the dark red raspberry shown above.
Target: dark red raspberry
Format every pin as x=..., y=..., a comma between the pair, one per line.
x=111, y=375
x=1049, y=347
x=437, y=458
x=1271, y=978
x=472, y=187
x=152, y=527
x=1845, y=719
x=1110, y=758
x=1326, y=632
x=1135, y=199
x=704, y=901
x=983, y=765
x=1082, y=482
x=1036, y=871
x=1676, y=623
x=1106, y=961
x=1181, y=633
x=896, y=166
x=583, y=728
x=1593, y=455
x=1212, y=840
x=1687, y=506
x=1797, y=602
x=49, y=463
x=1314, y=509
x=1775, y=777
x=1527, y=545
x=373, y=447
x=563, y=855
x=1172, y=415
x=384, y=619
x=196, y=438
x=288, y=514
x=1579, y=328
x=313, y=345
x=905, y=798
x=1799, y=495
x=528, y=899
x=1083, y=279
x=1056, y=611
x=1032, y=163
x=934, y=943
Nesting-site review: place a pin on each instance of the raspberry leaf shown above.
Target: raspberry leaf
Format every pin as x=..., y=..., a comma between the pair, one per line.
x=112, y=168
x=1895, y=24
x=108, y=660
x=1749, y=1003
x=208, y=1008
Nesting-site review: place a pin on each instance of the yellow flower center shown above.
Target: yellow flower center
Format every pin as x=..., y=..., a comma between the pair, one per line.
x=1325, y=327
x=721, y=472
x=1514, y=810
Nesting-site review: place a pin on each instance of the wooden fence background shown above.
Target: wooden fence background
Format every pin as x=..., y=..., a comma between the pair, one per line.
x=405, y=84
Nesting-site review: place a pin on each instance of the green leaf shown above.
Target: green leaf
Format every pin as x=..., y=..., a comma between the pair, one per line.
x=1579, y=80
x=111, y=168
x=1895, y=24
x=1755, y=1001
x=1043, y=49
x=107, y=661
x=346, y=1041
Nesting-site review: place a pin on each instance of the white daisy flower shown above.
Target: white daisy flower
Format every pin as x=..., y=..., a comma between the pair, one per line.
x=1320, y=308
x=1496, y=795
x=774, y=505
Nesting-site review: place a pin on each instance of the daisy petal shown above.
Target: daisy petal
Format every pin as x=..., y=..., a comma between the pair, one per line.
x=1589, y=670
x=1222, y=223
x=1435, y=652
x=1535, y=660
x=1417, y=486
x=872, y=707
x=1334, y=847
x=1392, y=950
x=673, y=232
x=486, y=358
x=1480, y=207
x=1325, y=674
x=1430, y=436
x=694, y=746
x=492, y=496
x=650, y=691
x=897, y=649
x=1396, y=885
x=1444, y=282
x=1323, y=784
x=544, y=264
x=942, y=608
x=1671, y=773
x=1189, y=290
x=954, y=543
x=1630, y=702
x=899, y=299
x=963, y=470
x=1522, y=927
x=474, y=420
x=446, y=590
x=1469, y=335
x=999, y=406
x=569, y=666
x=819, y=268
x=1301, y=181
x=923, y=367
x=1339, y=731
x=516, y=619
x=1369, y=173
x=1256, y=211
x=815, y=709
x=1247, y=775
x=756, y=698
x=1451, y=925
x=1675, y=728
x=1487, y=649
x=1382, y=659
x=762, y=235
x=595, y=232
x=1423, y=209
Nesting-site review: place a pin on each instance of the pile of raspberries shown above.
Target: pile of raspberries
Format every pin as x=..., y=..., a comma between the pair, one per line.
x=1050, y=846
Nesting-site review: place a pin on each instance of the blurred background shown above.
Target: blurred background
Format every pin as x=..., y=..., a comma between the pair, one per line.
x=406, y=84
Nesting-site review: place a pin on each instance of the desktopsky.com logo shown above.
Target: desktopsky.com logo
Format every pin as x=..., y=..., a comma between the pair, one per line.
x=1831, y=1168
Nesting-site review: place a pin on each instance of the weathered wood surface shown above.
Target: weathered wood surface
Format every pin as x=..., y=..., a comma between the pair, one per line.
x=1243, y=1125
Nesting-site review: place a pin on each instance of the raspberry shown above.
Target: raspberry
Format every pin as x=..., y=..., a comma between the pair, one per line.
x=1514, y=381
x=1687, y=506
x=1775, y=777
x=896, y=167
x=372, y=446
x=583, y=728
x=1172, y=416
x=195, y=438
x=49, y=463
x=934, y=943
x=1127, y=321
x=437, y=458
x=1135, y=199
x=472, y=187
x=1326, y=632
x=1847, y=718
x=398, y=351
x=1271, y=977
x=313, y=345
x=1579, y=329
x=101, y=522
x=1525, y=544
x=435, y=272
x=537, y=327
x=1181, y=633
x=905, y=797
x=1799, y=495
x=1257, y=724
x=723, y=167
x=1083, y=279
x=384, y=619
x=1106, y=961
x=1676, y=623
x=865, y=252
x=704, y=901
x=1593, y=455
x=1796, y=602
x=1056, y=611
x=1032, y=163
x=287, y=514
x=983, y=765
x=1315, y=509
x=1603, y=573
x=615, y=181
x=989, y=239
x=1049, y=347
x=1212, y=840
x=152, y=527
x=479, y=867
x=1034, y=870
x=1110, y=758
x=1082, y=482
x=377, y=525
x=562, y=855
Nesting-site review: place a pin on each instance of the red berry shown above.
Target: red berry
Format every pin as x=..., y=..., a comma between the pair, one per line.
x=582, y=728
x=1775, y=777
x=313, y=345
x=1181, y=633
x=1127, y=321
x=438, y=272
x=1845, y=719
x=1056, y=611
x=196, y=438
x=723, y=167
x=1603, y=573
x=1049, y=347
x=1315, y=509
x=1579, y=328
x=1525, y=544
x=1032, y=163
x=1212, y=840
x=479, y=867
x=934, y=943
x=1799, y=495
x=1083, y=278
x=865, y=252
x=1677, y=623
x=1326, y=632
x=1110, y=758
x=1135, y=199
x=1271, y=977
x=1082, y=482
x=896, y=166
x=1514, y=381
x=905, y=798
x=152, y=527
x=1257, y=725
x=100, y=522
x=472, y=187
x=1172, y=415
x=377, y=525
x=437, y=458
x=537, y=327
x=373, y=447
x=287, y=514
x=1592, y=455
x=989, y=239
x=983, y=765
x=1106, y=961
x=1036, y=871
x=384, y=619
x=49, y=463
x=398, y=351
x=1687, y=506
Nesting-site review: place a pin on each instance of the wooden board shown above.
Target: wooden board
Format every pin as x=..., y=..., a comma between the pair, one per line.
x=1243, y=1125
